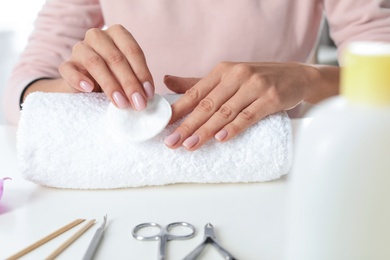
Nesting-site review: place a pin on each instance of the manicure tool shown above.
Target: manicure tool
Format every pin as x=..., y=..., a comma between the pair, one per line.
x=69, y=241
x=165, y=234
x=209, y=238
x=93, y=246
x=45, y=239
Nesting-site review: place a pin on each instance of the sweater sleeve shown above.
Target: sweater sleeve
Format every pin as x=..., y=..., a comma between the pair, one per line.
x=358, y=20
x=59, y=25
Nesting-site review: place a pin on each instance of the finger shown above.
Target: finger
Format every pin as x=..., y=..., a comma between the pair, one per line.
x=225, y=114
x=134, y=55
x=118, y=65
x=246, y=118
x=178, y=84
x=203, y=111
x=95, y=65
x=191, y=98
x=74, y=78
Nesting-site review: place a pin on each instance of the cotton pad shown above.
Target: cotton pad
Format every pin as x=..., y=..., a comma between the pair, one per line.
x=138, y=126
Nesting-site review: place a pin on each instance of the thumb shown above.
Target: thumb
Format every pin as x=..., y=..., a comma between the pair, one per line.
x=179, y=85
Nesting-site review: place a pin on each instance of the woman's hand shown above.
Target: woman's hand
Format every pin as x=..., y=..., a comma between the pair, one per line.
x=111, y=61
x=235, y=96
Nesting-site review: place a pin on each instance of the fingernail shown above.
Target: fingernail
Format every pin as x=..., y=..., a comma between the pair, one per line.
x=86, y=86
x=221, y=135
x=149, y=90
x=138, y=101
x=172, y=139
x=120, y=100
x=191, y=141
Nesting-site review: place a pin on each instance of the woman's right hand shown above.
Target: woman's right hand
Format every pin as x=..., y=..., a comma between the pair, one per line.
x=110, y=61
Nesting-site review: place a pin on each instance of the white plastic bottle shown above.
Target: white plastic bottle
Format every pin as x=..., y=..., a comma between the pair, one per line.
x=340, y=182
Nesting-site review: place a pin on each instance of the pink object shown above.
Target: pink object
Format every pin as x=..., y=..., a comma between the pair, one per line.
x=148, y=89
x=120, y=100
x=138, y=101
x=86, y=86
x=1, y=185
x=172, y=139
x=189, y=38
x=191, y=141
x=221, y=135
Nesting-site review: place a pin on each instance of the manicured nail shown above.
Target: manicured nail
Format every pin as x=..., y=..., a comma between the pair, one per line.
x=86, y=86
x=138, y=101
x=172, y=139
x=120, y=100
x=149, y=90
x=191, y=141
x=221, y=135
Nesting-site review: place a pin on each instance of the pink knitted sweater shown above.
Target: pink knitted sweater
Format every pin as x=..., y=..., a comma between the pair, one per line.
x=188, y=37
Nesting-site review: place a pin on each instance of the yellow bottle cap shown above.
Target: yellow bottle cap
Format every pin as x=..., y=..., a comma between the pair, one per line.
x=365, y=75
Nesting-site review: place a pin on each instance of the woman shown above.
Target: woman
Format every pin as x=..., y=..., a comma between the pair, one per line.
x=245, y=59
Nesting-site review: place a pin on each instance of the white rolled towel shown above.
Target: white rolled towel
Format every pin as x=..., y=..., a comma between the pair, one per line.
x=62, y=142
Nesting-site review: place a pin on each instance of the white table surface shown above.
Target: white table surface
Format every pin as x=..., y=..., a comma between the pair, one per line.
x=249, y=219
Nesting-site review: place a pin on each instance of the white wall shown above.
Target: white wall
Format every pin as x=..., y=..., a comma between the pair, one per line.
x=16, y=23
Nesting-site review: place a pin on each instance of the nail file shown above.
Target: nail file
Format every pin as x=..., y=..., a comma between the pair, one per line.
x=138, y=126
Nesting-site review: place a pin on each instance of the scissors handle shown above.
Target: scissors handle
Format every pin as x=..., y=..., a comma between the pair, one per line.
x=163, y=232
x=137, y=228
x=209, y=238
x=173, y=225
x=163, y=235
x=196, y=252
x=226, y=255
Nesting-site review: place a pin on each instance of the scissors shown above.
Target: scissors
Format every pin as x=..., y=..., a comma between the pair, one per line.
x=165, y=234
x=209, y=238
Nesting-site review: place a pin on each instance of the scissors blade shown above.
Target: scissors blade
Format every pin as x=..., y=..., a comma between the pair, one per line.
x=209, y=231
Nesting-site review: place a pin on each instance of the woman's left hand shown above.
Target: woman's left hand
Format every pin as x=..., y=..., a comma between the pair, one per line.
x=234, y=96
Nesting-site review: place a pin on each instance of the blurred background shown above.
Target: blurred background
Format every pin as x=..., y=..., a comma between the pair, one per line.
x=16, y=23
x=17, y=19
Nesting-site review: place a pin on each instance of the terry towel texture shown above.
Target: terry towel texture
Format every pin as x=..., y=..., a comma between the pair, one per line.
x=62, y=142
